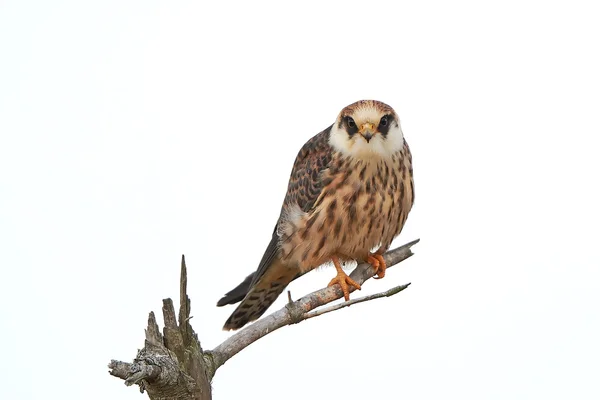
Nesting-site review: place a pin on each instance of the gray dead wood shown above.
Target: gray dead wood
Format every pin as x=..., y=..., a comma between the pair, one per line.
x=172, y=365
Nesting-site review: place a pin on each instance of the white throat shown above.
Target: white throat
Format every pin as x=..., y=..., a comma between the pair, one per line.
x=356, y=146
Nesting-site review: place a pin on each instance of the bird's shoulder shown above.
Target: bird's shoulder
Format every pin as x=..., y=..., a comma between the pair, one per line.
x=312, y=160
x=316, y=150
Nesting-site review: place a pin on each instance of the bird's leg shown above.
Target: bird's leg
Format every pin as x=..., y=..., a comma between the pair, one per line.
x=342, y=279
x=377, y=261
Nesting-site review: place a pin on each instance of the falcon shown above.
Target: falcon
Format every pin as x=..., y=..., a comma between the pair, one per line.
x=350, y=192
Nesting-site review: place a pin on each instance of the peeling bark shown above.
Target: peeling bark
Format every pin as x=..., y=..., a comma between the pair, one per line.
x=172, y=365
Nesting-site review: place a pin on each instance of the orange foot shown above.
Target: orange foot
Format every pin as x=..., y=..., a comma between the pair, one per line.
x=342, y=279
x=377, y=261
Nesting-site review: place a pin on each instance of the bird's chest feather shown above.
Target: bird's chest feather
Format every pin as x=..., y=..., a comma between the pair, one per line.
x=359, y=208
x=369, y=206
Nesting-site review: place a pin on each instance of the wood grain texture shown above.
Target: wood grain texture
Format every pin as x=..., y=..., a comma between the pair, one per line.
x=172, y=364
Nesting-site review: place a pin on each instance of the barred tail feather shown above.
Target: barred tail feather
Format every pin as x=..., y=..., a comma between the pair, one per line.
x=238, y=293
x=261, y=295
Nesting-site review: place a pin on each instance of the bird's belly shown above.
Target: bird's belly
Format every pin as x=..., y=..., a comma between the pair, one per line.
x=348, y=223
x=363, y=231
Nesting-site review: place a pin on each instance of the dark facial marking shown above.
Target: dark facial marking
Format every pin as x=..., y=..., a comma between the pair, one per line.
x=384, y=124
x=351, y=127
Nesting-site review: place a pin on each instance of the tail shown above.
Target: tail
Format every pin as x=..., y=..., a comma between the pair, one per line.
x=259, y=294
x=238, y=293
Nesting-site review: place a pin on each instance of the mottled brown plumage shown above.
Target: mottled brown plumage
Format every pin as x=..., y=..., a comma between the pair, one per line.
x=350, y=192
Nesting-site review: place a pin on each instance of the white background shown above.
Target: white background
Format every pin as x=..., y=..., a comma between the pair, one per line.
x=134, y=131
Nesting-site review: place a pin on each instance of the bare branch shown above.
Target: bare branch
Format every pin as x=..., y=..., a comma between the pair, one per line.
x=295, y=312
x=172, y=364
x=387, y=293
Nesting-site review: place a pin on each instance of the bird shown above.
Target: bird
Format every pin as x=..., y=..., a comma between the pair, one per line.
x=349, y=193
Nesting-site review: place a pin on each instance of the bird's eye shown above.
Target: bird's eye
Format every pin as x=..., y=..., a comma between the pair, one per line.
x=383, y=121
x=350, y=122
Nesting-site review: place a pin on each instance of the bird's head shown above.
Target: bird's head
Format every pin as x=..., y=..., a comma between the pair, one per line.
x=367, y=129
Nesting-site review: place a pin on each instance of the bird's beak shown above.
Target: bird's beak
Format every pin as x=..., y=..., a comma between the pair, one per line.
x=367, y=130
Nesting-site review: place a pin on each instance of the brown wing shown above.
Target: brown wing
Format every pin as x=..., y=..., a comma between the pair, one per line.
x=305, y=181
x=261, y=295
x=260, y=289
x=304, y=188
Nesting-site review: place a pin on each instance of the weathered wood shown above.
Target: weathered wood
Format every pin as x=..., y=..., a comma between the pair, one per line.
x=173, y=366
x=297, y=311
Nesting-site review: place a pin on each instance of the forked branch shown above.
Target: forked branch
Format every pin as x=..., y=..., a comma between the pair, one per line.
x=172, y=365
x=299, y=310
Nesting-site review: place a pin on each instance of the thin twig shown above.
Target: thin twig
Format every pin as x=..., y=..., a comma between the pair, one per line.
x=335, y=307
x=295, y=312
x=173, y=362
